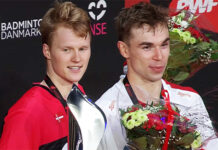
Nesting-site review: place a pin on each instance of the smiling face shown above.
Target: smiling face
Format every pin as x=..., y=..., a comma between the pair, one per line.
x=146, y=53
x=67, y=56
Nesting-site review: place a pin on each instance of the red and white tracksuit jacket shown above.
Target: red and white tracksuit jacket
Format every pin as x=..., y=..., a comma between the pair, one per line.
x=37, y=121
x=186, y=99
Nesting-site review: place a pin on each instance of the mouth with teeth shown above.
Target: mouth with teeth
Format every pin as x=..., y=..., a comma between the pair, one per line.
x=74, y=68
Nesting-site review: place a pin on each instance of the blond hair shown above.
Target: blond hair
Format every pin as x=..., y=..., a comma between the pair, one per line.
x=64, y=14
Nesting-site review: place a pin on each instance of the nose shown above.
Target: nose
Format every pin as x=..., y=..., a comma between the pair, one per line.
x=157, y=54
x=75, y=56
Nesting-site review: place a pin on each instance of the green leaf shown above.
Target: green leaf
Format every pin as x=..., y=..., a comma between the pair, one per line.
x=214, y=44
x=174, y=129
x=122, y=112
x=178, y=59
x=180, y=54
x=153, y=142
x=203, y=46
x=140, y=143
x=186, y=139
x=214, y=56
x=181, y=76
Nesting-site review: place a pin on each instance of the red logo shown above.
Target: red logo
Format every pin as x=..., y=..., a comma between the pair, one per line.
x=206, y=9
x=129, y=3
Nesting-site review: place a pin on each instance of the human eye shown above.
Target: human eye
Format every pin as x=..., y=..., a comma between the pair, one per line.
x=165, y=45
x=66, y=50
x=146, y=47
x=83, y=48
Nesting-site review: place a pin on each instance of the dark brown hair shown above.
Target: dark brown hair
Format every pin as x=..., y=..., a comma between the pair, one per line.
x=139, y=15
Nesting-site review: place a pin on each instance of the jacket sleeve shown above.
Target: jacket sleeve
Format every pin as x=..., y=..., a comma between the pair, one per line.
x=210, y=140
x=113, y=138
x=197, y=113
x=20, y=132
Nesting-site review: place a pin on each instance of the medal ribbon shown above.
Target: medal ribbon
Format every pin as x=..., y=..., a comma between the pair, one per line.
x=55, y=91
x=57, y=94
x=170, y=118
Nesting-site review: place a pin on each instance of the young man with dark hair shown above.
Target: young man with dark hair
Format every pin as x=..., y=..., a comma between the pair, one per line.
x=39, y=119
x=145, y=44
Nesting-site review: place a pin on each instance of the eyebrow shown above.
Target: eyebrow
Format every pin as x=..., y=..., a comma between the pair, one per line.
x=149, y=43
x=166, y=40
x=72, y=47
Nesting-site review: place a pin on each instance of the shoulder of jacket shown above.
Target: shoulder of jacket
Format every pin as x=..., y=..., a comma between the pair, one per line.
x=179, y=87
x=109, y=98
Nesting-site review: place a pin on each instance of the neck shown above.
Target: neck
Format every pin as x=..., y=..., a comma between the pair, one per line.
x=63, y=89
x=63, y=86
x=146, y=90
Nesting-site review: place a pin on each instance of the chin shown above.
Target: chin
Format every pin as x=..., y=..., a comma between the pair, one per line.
x=156, y=78
x=75, y=78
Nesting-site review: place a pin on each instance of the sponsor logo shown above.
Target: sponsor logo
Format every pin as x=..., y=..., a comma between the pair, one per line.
x=200, y=6
x=98, y=28
x=111, y=107
x=20, y=29
x=98, y=5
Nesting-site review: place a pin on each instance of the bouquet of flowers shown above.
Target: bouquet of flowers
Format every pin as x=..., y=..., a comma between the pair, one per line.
x=146, y=129
x=190, y=48
x=158, y=127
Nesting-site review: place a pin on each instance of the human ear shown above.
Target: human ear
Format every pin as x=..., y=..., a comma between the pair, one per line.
x=123, y=48
x=46, y=51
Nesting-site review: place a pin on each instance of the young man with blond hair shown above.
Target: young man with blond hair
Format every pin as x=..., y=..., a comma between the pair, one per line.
x=39, y=119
